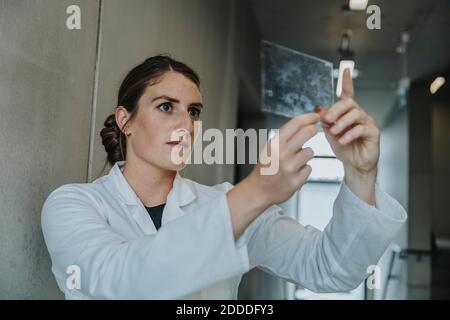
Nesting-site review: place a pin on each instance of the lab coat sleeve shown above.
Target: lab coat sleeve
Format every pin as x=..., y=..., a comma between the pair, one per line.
x=334, y=260
x=184, y=256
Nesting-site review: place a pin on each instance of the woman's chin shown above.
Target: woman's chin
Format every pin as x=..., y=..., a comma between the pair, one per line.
x=178, y=158
x=176, y=166
x=180, y=167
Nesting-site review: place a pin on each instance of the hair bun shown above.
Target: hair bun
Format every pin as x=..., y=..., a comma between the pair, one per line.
x=111, y=135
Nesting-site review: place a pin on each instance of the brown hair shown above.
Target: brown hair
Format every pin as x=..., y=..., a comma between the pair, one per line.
x=131, y=89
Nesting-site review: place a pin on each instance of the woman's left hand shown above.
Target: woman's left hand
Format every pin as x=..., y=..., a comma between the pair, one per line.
x=353, y=136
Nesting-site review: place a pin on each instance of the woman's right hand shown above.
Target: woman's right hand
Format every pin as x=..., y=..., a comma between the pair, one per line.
x=292, y=170
x=258, y=191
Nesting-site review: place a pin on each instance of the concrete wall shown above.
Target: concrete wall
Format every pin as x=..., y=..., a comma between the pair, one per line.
x=46, y=81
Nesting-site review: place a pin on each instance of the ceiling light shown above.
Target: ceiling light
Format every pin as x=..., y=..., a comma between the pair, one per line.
x=345, y=49
x=436, y=84
x=358, y=4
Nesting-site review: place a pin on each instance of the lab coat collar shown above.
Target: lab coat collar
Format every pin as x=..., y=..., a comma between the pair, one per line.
x=182, y=192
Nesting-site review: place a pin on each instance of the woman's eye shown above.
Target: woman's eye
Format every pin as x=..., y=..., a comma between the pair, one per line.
x=194, y=112
x=165, y=107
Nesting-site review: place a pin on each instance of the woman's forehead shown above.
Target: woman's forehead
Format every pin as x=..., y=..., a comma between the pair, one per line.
x=175, y=85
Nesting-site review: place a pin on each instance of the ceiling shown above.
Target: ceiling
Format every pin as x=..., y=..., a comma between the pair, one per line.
x=316, y=28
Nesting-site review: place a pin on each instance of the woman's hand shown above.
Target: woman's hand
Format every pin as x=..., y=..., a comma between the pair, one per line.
x=292, y=171
x=354, y=139
x=260, y=190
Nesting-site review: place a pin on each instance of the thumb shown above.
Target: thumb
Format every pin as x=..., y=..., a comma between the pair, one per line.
x=325, y=125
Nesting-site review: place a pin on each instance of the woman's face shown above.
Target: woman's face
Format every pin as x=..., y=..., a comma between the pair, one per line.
x=163, y=127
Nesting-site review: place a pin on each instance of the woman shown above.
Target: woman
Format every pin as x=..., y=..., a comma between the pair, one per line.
x=143, y=231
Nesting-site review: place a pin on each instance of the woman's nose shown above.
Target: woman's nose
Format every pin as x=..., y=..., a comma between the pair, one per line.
x=186, y=122
x=183, y=128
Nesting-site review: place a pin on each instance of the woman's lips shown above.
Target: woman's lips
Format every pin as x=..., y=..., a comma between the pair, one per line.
x=177, y=143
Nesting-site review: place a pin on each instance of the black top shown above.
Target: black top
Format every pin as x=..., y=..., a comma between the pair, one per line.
x=156, y=214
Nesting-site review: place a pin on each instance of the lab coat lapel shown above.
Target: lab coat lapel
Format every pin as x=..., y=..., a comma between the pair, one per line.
x=128, y=197
x=180, y=195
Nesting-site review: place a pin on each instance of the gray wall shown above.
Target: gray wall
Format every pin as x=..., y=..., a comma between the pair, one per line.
x=46, y=81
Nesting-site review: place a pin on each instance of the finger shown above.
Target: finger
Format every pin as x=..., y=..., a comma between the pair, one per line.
x=302, y=175
x=302, y=157
x=291, y=127
x=347, y=85
x=352, y=117
x=297, y=141
x=338, y=109
x=321, y=111
x=359, y=131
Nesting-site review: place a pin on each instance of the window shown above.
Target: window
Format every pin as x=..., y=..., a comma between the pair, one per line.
x=316, y=197
x=325, y=167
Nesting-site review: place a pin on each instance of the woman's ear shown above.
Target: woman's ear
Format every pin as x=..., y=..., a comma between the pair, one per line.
x=122, y=116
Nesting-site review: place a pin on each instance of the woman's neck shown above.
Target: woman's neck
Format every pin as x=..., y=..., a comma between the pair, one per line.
x=151, y=184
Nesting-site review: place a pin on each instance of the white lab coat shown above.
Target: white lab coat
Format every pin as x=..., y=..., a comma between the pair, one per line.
x=103, y=228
